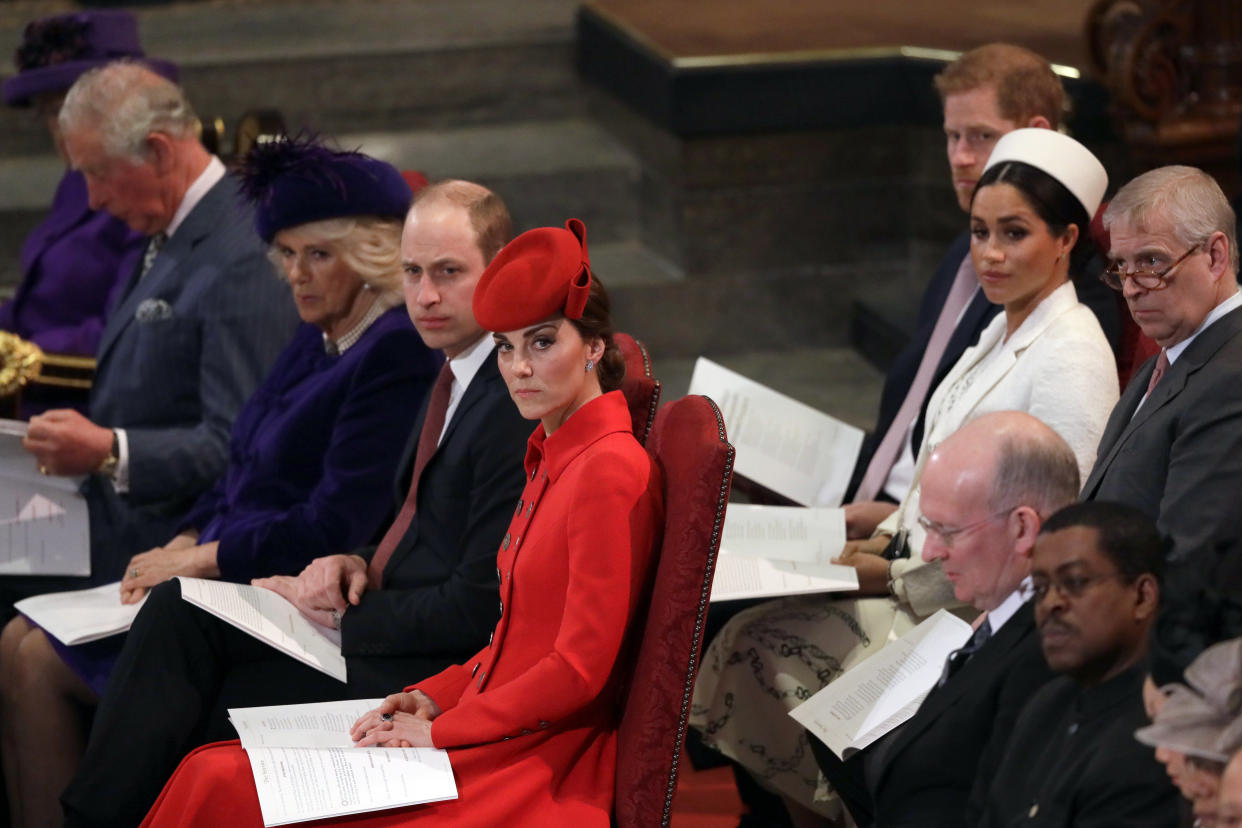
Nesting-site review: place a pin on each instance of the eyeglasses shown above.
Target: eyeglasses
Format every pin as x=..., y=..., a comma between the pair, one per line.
x=1115, y=278
x=1067, y=586
x=948, y=534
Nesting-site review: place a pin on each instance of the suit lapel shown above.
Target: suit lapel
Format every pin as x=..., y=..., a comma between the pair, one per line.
x=475, y=391
x=1060, y=302
x=975, y=673
x=1124, y=422
x=165, y=269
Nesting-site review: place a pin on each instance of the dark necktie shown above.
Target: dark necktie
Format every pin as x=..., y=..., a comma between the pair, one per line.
x=428, y=440
x=958, y=658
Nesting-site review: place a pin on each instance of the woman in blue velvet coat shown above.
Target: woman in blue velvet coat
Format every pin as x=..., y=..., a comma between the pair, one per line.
x=313, y=455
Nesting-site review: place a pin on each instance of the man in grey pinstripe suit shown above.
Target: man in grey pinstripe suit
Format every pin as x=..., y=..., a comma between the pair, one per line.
x=187, y=341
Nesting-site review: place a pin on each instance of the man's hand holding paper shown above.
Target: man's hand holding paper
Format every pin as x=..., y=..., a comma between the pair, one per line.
x=66, y=443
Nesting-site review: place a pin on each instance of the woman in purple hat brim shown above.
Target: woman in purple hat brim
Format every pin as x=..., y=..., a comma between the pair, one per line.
x=77, y=258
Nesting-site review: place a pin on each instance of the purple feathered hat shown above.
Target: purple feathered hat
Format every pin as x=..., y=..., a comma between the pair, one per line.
x=293, y=181
x=55, y=51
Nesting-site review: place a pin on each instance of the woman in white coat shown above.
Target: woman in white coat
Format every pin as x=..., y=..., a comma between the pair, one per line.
x=1045, y=355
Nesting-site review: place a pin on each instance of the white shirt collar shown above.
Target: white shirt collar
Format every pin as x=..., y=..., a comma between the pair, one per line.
x=466, y=364
x=207, y=179
x=1008, y=608
x=464, y=367
x=1220, y=310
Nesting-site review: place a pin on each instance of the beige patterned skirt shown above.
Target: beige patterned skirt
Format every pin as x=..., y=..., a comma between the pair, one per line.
x=769, y=659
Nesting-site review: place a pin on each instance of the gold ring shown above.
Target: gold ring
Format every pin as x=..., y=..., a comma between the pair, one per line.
x=133, y=572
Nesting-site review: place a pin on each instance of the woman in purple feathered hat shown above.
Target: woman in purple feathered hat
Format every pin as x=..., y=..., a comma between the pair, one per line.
x=73, y=261
x=312, y=454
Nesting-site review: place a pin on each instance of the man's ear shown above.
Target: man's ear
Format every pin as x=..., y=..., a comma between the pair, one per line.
x=1217, y=247
x=1028, y=523
x=1038, y=121
x=1147, y=602
x=160, y=152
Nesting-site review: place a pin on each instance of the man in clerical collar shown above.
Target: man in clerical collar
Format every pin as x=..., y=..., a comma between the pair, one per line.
x=1072, y=758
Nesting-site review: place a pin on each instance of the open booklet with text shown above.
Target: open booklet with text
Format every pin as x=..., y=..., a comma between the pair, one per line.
x=884, y=690
x=305, y=765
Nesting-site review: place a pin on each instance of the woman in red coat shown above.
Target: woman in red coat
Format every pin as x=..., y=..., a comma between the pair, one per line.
x=529, y=722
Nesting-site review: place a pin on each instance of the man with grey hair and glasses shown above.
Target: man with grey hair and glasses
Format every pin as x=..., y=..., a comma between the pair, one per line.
x=987, y=489
x=1172, y=447
x=191, y=334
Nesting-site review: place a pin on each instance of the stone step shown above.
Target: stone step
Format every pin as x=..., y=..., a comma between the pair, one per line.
x=347, y=66
x=546, y=171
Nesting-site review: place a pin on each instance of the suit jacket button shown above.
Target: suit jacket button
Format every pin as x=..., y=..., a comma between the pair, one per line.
x=1034, y=811
x=519, y=508
x=475, y=670
x=530, y=507
x=526, y=732
x=490, y=636
x=544, y=725
x=498, y=577
x=502, y=607
x=504, y=544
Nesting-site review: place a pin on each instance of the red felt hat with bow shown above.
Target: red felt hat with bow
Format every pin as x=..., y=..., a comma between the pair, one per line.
x=541, y=273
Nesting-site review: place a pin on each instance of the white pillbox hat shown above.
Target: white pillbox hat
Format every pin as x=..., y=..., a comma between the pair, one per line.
x=1061, y=157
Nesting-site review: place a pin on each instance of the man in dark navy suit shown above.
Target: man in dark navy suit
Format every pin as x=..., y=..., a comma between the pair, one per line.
x=192, y=334
x=426, y=597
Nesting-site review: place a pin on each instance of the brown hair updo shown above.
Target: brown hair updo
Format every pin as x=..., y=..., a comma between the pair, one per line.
x=596, y=322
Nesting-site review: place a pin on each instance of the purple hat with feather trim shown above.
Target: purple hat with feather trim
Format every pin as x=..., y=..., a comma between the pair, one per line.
x=56, y=51
x=296, y=180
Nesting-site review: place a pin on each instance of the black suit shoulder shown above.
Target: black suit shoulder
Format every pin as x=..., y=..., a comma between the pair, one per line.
x=440, y=592
x=959, y=733
x=1180, y=456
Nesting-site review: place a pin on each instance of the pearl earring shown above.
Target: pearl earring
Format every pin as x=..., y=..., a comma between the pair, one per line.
x=590, y=364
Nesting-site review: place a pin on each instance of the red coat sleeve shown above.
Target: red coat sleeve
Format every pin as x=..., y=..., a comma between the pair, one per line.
x=610, y=526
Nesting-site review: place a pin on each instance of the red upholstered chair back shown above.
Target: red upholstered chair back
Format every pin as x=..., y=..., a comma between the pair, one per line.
x=690, y=445
x=641, y=389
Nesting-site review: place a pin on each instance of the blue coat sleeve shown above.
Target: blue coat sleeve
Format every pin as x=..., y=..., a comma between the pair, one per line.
x=351, y=499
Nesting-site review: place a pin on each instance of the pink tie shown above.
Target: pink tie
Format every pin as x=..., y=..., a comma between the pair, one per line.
x=1162, y=365
x=428, y=440
x=964, y=285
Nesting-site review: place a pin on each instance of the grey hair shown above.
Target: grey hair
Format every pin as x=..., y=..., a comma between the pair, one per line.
x=126, y=102
x=370, y=246
x=1187, y=197
x=1035, y=468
